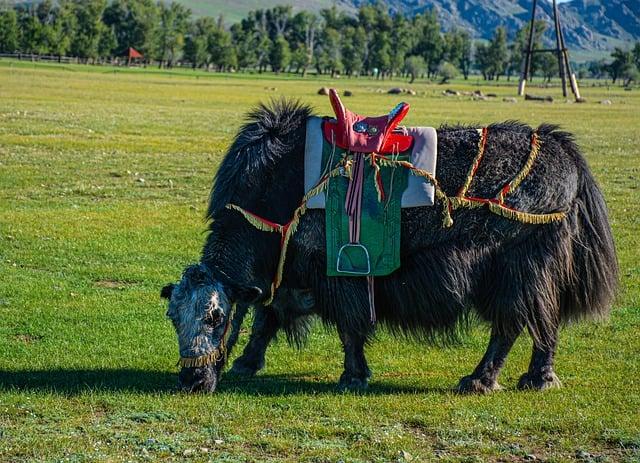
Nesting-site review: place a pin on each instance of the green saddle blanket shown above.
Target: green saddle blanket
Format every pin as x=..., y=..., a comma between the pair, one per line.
x=378, y=252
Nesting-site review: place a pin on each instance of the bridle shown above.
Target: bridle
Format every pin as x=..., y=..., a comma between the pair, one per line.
x=213, y=357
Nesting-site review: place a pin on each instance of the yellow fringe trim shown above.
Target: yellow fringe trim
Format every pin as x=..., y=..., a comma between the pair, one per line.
x=526, y=217
x=201, y=361
x=476, y=162
x=260, y=225
x=526, y=169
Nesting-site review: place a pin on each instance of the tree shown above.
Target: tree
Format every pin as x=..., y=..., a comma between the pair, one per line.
x=280, y=54
x=353, y=50
x=519, y=45
x=491, y=59
x=549, y=65
x=64, y=28
x=329, y=58
x=135, y=24
x=447, y=72
x=429, y=44
x=466, y=50
x=245, y=41
x=86, y=41
x=174, y=20
x=402, y=40
x=415, y=66
x=9, y=31
x=32, y=36
x=304, y=34
x=622, y=64
x=222, y=53
x=381, y=53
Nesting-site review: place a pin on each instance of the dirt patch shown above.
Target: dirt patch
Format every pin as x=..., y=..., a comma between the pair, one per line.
x=27, y=338
x=113, y=284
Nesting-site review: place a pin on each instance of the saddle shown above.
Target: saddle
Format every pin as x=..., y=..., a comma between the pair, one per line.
x=363, y=134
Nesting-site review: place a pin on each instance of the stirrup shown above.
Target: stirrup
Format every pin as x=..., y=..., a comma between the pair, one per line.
x=341, y=269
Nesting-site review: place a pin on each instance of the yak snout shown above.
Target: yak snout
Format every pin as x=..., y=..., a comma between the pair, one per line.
x=198, y=379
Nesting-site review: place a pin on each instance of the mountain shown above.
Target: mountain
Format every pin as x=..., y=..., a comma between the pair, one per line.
x=589, y=25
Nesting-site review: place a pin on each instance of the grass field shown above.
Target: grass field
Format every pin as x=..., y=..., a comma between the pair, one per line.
x=104, y=177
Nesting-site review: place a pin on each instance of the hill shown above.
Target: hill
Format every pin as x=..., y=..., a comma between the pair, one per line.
x=590, y=25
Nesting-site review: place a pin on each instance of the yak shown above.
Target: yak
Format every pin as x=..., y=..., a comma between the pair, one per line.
x=509, y=274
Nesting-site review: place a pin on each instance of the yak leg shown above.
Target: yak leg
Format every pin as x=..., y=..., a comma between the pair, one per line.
x=541, y=375
x=356, y=374
x=264, y=329
x=484, y=378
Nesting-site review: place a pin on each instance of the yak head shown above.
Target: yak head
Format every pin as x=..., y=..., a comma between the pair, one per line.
x=201, y=309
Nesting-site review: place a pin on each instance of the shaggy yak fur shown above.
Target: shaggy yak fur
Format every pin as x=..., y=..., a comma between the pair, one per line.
x=512, y=275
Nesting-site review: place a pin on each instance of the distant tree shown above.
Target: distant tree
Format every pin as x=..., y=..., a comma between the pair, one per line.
x=414, y=67
x=304, y=34
x=9, y=31
x=491, y=59
x=222, y=53
x=518, y=46
x=33, y=36
x=402, y=40
x=498, y=52
x=430, y=44
x=381, y=51
x=354, y=48
x=64, y=28
x=447, y=72
x=466, y=50
x=636, y=54
x=329, y=57
x=245, y=40
x=174, y=21
x=278, y=19
x=597, y=69
x=135, y=24
x=280, y=55
x=549, y=65
x=86, y=40
x=196, y=42
x=622, y=64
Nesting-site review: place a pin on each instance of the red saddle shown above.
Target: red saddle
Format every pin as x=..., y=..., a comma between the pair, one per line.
x=361, y=134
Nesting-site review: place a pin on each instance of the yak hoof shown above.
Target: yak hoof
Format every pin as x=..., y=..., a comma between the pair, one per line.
x=539, y=382
x=350, y=383
x=244, y=368
x=473, y=385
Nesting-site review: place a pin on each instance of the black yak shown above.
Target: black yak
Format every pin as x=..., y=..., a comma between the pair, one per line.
x=510, y=274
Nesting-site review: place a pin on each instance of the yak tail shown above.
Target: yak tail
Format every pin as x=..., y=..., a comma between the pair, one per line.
x=593, y=273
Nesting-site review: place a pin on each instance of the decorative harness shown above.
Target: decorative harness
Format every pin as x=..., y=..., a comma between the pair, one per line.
x=375, y=139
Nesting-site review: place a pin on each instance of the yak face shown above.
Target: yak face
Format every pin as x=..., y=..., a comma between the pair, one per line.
x=199, y=309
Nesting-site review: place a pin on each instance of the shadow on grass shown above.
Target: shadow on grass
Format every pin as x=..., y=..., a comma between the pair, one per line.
x=69, y=381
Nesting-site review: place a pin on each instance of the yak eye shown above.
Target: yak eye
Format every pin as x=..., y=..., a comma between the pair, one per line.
x=213, y=317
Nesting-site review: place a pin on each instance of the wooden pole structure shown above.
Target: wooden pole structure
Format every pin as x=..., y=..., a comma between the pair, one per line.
x=559, y=49
x=526, y=62
x=564, y=66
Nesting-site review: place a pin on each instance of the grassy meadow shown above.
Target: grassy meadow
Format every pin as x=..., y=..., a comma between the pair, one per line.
x=104, y=177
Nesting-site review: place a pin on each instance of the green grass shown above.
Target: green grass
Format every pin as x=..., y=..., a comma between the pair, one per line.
x=104, y=177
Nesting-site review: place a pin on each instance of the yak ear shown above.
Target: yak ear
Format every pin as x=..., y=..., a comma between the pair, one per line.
x=246, y=294
x=167, y=291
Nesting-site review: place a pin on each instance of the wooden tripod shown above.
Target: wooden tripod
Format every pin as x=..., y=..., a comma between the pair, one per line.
x=560, y=50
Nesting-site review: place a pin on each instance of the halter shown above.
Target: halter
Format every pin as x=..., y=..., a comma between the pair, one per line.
x=217, y=354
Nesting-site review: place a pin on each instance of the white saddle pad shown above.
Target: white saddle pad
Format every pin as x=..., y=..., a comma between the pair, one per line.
x=424, y=155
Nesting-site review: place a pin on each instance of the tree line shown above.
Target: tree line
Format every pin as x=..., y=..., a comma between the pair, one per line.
x=372, y=42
